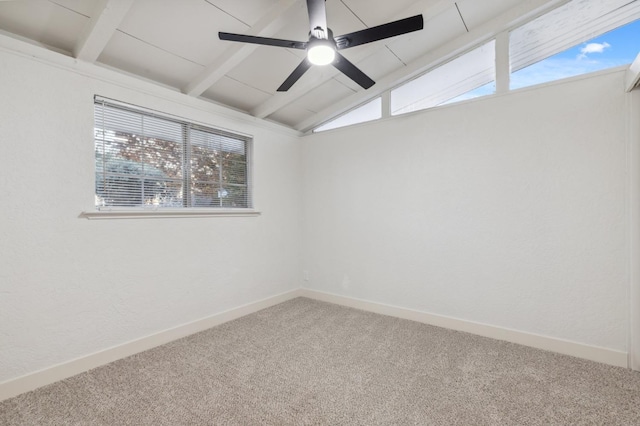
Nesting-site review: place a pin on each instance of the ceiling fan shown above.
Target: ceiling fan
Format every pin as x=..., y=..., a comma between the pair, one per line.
x=322, y=47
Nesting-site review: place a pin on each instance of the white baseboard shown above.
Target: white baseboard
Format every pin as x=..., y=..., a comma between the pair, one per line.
x=566, y=347
x=31, y=381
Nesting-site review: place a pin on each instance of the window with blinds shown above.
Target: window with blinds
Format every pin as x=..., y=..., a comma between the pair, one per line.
x=144, y=159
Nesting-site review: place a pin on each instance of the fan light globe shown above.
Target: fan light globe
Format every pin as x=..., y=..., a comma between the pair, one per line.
x=321, y=54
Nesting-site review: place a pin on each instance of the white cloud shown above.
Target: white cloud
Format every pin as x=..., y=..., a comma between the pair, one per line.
x=593, y=48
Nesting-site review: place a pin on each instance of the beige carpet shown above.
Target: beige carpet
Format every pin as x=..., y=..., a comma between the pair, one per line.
x=307, y=362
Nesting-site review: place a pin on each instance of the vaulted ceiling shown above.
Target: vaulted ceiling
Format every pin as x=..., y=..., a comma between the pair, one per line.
x=175, y=43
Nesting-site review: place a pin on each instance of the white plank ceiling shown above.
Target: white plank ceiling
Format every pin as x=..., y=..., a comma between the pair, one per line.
x=175, y=43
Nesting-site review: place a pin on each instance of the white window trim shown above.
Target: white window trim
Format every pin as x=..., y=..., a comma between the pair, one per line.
x=123, y=213
x=632, y=78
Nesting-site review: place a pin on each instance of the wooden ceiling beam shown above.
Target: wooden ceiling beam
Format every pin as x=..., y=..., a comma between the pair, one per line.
x=269, y=24
x=104, y=22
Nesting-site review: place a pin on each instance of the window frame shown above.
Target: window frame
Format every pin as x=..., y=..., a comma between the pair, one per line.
x=185, y=211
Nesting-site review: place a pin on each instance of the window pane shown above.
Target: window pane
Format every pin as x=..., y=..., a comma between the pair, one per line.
x=218, y=170
x=462, y=75
x=370, y=111
x=138, y=159
x=575, y=39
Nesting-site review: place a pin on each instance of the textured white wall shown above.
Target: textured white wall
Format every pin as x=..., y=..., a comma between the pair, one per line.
x=69, y=286
x=634, y=234
x=508, y=211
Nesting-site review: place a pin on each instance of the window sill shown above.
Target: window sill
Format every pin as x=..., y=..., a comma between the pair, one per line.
x=166, y=213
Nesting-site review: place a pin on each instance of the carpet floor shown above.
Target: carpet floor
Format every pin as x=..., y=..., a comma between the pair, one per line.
x=305, y=362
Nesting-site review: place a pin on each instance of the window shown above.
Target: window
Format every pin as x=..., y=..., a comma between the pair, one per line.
x=569, y=41
x=144, y=159
x=370, y=111
x=451, y=81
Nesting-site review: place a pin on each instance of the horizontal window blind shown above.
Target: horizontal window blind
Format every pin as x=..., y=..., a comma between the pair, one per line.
x=144, y=159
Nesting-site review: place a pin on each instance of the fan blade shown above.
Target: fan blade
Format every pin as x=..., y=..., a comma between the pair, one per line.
x=263, y=40
x=380, y=32
x=295, y=75
x=317, y=18
x=353, y=72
